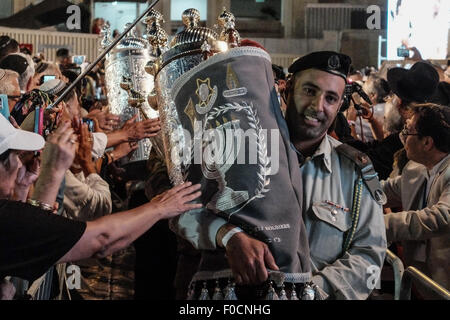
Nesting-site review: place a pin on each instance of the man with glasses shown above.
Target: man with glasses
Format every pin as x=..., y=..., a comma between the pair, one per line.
x=423, y=191
x=9, y=85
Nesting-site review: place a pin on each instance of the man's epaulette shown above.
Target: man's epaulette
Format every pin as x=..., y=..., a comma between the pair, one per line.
x=368, y=173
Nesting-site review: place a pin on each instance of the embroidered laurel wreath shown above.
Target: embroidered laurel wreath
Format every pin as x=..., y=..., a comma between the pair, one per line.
x=263, y=163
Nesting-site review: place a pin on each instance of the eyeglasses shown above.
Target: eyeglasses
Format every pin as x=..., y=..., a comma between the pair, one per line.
x=405, y=132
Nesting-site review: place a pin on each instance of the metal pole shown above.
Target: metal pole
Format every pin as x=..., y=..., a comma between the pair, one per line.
x=101, y=56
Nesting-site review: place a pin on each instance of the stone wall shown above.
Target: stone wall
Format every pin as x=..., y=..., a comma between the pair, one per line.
x=362, y=46
x=6, y=7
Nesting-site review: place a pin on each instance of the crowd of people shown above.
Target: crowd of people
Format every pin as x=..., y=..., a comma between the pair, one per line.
x=61, y=169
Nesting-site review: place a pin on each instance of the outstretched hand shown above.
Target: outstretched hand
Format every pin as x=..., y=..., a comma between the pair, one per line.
x=142, y=129
x=106, y=120
x=177, y=200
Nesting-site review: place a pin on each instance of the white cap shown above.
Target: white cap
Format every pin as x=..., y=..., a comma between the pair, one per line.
x=16, y=139
x=54, y=86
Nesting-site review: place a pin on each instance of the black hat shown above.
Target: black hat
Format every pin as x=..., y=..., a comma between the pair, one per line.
x=14, y=62
x=442, y=94
x=328, y=61
x=62, y=52
x=416, y=84
x=4, y=41
x=279, y=73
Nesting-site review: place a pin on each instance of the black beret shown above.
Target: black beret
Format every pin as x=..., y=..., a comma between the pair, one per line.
x=14, y=62
x=328, y=61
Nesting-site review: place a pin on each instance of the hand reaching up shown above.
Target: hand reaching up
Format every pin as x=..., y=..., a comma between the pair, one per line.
x=59, y=150
x=142, y=129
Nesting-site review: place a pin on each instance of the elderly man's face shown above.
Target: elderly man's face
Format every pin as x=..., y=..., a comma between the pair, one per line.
x=369, y=89
x=8, y=171
x=313, y=103
x=393, y=120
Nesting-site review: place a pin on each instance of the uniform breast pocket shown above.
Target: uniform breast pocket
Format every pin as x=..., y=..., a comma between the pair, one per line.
x=327, y=230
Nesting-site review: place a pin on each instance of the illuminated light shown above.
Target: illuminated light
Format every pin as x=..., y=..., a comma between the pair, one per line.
x=114, y=3
x=221, y=46
x=409, y=24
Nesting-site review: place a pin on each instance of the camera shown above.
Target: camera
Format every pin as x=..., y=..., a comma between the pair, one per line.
x=90, y=124
x=46, y=78
x=403, y=52
x=350, y=89
x=78, y=60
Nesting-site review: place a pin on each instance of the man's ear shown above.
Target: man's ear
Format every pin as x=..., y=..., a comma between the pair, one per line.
x=428, y=143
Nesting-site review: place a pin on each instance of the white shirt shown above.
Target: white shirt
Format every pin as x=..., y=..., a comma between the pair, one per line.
x=86, y=199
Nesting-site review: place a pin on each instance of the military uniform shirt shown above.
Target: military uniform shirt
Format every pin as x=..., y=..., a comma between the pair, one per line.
x=328, y=184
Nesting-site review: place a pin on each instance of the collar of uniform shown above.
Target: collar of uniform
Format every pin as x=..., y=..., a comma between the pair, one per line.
x=323, y=153
x=301, y=158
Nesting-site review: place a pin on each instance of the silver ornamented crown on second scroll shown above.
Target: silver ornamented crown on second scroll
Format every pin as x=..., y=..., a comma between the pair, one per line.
x=229, y=34
x=156, y=35
x=194, y=39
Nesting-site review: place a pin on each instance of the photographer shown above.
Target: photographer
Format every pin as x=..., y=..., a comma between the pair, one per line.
x=44, y=71
x=368, y=118
x=86, y=195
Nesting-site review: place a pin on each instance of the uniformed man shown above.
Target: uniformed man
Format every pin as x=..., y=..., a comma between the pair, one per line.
x=342, y=196
x=342, y=199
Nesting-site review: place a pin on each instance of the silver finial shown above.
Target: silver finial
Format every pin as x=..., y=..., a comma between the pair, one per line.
x=106, y=34
x=191, y=17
